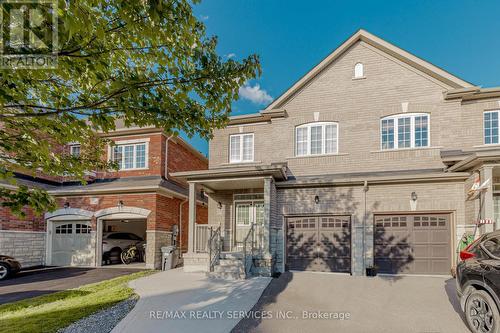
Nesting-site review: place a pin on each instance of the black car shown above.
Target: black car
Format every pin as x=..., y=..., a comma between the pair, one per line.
x=478, y=283
x=8, y=266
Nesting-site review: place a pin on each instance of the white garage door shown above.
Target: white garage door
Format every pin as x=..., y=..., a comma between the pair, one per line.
x=72, y=244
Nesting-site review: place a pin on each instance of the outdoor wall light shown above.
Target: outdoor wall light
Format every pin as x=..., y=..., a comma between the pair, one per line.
x=219, y=205
x=414, y=196
x=202, y=193
x=316, y=199
x=120, y=204
x=66, y=204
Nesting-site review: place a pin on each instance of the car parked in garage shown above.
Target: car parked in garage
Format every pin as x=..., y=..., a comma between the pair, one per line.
x=478, y=283
x=8, y=266
x=114, y=242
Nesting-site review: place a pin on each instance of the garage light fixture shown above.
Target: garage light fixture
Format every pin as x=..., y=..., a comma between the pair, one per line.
x=414, y=196
x=120, y=204
x=66, y=204
x=316, y=199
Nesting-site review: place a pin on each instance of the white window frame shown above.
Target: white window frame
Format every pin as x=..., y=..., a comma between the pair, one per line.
x=359, y=70
x=71, y=147
x=484, y=128
x=133, y=143
x=412, y=117
x=241, y=159
x=323, y=125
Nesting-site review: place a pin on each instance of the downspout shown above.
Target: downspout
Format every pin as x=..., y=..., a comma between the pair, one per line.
x=365, y=216
x=180, y=226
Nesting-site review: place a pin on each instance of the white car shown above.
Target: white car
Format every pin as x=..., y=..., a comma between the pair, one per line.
x=113, y=243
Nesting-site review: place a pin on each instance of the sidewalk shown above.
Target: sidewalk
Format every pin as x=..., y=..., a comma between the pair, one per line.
x=174, y=301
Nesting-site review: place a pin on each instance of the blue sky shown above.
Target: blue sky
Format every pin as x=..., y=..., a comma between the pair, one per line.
x=461, y=36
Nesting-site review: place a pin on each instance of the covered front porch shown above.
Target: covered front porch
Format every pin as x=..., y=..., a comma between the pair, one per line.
x=241, y=227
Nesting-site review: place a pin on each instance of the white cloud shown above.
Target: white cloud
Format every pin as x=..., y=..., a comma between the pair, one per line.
x=255, y=94
x=230, y=55
x=204, y=17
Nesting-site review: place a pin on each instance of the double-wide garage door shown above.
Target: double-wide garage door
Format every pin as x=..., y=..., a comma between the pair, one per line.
x=413, y=244
x=319, y=243
x=72, y=244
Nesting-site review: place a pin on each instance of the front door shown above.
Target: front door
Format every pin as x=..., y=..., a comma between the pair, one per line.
x=248, y=213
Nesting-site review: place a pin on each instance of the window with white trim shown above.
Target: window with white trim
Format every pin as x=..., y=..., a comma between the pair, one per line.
x=74, y=150
x=358, y=71
x=491, y=127
x=319, y=138
x=405, y=131
x=241, y=148
x=130, y=156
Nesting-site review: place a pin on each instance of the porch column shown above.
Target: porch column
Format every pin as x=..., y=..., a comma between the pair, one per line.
x=488, y=210
x=267, y=217
x=192, y=217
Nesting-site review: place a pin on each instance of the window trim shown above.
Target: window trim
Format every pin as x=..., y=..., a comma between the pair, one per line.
x=323, y=124
x=240, y=159
x=412, y=117
x=133, y=143
x=497, y=111
x=74, y=146
x=357, y=65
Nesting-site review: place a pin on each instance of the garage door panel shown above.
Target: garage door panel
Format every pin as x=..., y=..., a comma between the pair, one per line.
x=72, y=244
x=427, y=237
x=319, y=243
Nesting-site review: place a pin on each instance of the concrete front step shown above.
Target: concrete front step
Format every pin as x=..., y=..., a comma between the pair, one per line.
x=229, y=269
x=230, y=262
x=231, y=255
x=226, y=275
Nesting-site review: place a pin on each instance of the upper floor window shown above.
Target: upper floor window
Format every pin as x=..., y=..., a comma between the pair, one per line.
x=74, y=150
x=359, y=70
x=316, y=139
x=241, y=148
x=130, y=156
x=405, y=131
x=491, y=127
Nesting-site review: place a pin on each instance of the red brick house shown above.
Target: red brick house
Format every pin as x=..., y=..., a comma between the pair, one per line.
x=141, y=198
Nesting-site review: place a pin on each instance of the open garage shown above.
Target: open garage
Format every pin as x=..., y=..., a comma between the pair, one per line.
x=120, y=234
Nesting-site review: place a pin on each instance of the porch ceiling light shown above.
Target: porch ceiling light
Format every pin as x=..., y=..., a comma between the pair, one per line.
x=316, y=199
x=414, y=196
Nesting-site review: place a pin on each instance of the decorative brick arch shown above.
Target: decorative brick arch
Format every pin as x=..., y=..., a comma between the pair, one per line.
x=142, y=212
x=82, y=213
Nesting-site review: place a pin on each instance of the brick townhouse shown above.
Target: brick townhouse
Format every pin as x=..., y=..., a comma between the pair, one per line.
x=141, y=198
x=367, y=160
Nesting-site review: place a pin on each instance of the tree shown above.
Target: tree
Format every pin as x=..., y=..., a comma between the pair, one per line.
x=147, y=62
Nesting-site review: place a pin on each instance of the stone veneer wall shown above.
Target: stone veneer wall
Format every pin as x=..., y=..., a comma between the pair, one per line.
x=26, y=246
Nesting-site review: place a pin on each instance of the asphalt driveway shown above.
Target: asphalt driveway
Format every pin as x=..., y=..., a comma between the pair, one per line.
x=379, y=304
x=45, y=281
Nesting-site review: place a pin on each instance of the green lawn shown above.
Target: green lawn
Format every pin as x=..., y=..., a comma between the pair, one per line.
x=50, y=312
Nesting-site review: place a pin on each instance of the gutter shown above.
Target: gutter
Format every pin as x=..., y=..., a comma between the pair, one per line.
x=180, y=226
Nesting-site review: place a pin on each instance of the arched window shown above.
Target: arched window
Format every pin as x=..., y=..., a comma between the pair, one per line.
x=409, y=130
x=359, y=70
x=320, y=138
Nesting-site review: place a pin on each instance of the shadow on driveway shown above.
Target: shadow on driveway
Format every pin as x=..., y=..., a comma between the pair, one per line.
x=29, y=284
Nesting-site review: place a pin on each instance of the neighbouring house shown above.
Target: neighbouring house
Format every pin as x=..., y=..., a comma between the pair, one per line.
x=141, y=198
x=365, y=161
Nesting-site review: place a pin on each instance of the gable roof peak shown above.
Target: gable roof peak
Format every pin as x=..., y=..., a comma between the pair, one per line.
x=426, y=67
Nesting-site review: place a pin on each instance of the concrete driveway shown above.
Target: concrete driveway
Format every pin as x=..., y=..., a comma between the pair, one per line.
x=174, y=301
x=380, y=304
x=27, y=284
